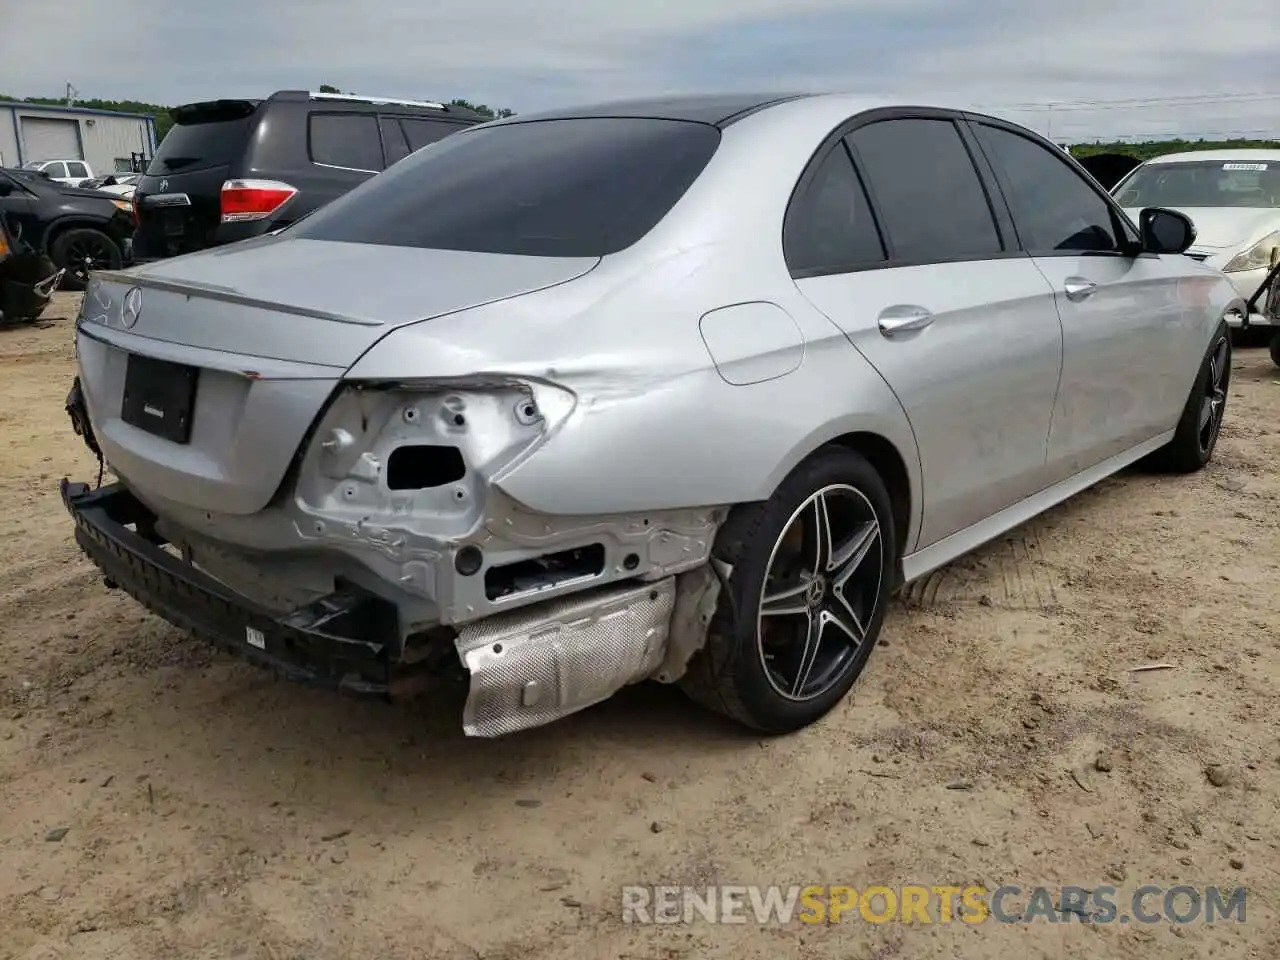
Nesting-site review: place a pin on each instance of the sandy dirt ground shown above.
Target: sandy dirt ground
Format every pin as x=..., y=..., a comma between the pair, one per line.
x=206, y=811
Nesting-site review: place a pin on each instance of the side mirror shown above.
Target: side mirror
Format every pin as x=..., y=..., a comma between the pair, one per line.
x=1165, y=231
x=6, y=188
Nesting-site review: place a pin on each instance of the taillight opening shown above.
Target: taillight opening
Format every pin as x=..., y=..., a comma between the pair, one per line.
x=246, y=200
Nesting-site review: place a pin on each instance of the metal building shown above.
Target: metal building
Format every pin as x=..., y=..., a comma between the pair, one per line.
x=109, y=142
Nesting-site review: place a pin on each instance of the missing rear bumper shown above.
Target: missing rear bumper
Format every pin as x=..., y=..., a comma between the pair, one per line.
x=345, y=641
x=528, y=667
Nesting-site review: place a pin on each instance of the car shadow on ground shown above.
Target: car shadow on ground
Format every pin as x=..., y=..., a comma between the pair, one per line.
x=236, y=733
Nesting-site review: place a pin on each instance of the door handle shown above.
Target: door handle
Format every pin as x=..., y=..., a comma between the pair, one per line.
x=902, y=319
x=1078, y=288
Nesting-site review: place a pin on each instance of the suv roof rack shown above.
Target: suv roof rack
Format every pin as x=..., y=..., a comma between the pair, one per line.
x=357, y=98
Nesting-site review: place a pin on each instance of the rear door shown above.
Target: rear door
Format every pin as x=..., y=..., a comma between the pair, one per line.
x=422, y=131
x=1126, y=323
x=936, y=296
x=179, y=198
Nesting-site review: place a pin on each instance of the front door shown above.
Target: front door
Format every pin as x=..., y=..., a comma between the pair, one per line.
x=965, y=333
x=1126, y=316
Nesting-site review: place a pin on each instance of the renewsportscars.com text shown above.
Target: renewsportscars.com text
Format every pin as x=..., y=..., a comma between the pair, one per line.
x=915, y=903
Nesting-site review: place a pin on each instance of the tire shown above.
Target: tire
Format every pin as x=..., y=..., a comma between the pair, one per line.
x=71, y=248
x=1195, y=438
x=752, y=666
x=1275, y=349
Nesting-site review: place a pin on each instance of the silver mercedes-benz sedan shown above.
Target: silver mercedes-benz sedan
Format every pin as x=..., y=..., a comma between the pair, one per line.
x=677, y=390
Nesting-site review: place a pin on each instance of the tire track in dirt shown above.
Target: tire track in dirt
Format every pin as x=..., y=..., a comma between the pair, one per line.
x=1011, y=572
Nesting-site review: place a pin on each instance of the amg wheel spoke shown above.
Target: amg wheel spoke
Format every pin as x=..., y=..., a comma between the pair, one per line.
x=789, y=601
x=1220, y=364
x=821, y=534
x=846, y=618
x=853, y=553
x=812, y=641
x=1206, y=413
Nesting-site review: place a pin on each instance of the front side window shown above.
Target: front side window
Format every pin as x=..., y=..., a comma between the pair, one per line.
x=583, y=187
x=1055, y=209
x=347, y=140
x=77, y=170
x=829, y=227
x=927, y=191
x=1199, y=183
x=56, y=170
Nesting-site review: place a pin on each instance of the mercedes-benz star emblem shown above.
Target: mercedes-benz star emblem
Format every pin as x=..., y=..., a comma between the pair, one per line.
x=131, y=307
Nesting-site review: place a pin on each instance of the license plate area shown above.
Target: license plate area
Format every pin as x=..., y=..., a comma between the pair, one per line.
x=173, y=222
x=159, y=397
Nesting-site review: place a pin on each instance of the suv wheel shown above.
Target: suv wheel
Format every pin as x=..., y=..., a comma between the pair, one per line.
x=80, y=250
x=812, y=570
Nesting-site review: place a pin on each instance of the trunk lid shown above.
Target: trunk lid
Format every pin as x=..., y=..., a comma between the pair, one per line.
x=269, y=326
x=320, y=301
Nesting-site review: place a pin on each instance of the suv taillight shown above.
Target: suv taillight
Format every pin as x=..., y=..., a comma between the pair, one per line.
x=244, y=200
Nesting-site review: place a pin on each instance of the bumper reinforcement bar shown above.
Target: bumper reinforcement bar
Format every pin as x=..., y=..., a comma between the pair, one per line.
x=347, y=641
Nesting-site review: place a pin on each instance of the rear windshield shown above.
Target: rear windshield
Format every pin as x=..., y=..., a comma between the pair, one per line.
x=547, y=188
x=204, y=135
x=1201, y=183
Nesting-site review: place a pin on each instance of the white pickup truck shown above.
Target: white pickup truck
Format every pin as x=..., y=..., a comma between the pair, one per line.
x=71, y=172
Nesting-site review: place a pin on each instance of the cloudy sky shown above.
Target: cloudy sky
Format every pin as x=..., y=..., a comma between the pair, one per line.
x=531, y=54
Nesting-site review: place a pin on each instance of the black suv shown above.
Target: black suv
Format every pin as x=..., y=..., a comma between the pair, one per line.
x=233, y=169
x=80, y=230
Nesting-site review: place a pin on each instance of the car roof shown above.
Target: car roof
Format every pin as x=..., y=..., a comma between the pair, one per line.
x=1219, y=156
x=718, y=109
x=724, y=109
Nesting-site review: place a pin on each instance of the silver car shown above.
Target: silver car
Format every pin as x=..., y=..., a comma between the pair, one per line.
x=677, y=390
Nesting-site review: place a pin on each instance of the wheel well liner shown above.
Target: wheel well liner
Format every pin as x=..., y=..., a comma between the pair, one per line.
x=888, y=462
x=58, y=227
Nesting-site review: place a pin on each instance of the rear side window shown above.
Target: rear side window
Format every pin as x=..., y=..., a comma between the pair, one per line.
x=345, y=140
x=549, y=188
x=829, y=227
x=423, y=132
x=205, y=135
x=394, y=145
x=927, y=191
x=1054, y=208
x=56, y=169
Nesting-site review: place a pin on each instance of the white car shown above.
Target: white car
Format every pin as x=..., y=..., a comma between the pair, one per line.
x=1232, y=196
x=72, y=173
x=121, y=185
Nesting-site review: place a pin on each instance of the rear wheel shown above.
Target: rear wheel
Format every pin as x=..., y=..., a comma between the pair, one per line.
x=80, y=250
x=1275, y=349
x=812, y=570
x=1197, y=431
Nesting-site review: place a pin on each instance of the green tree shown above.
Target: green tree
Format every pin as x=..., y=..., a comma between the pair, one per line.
x=1158, y=148
x=483, y=109
x=329, y=88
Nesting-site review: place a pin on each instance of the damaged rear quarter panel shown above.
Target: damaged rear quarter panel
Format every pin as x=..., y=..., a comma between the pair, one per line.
x=655, y=426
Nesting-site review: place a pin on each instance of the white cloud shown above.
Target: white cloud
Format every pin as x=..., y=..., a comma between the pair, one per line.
x=531, y=55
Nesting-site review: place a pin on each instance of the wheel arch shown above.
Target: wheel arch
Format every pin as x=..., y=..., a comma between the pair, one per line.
x=57, y=228
x=887, y=461
x=898, y=467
